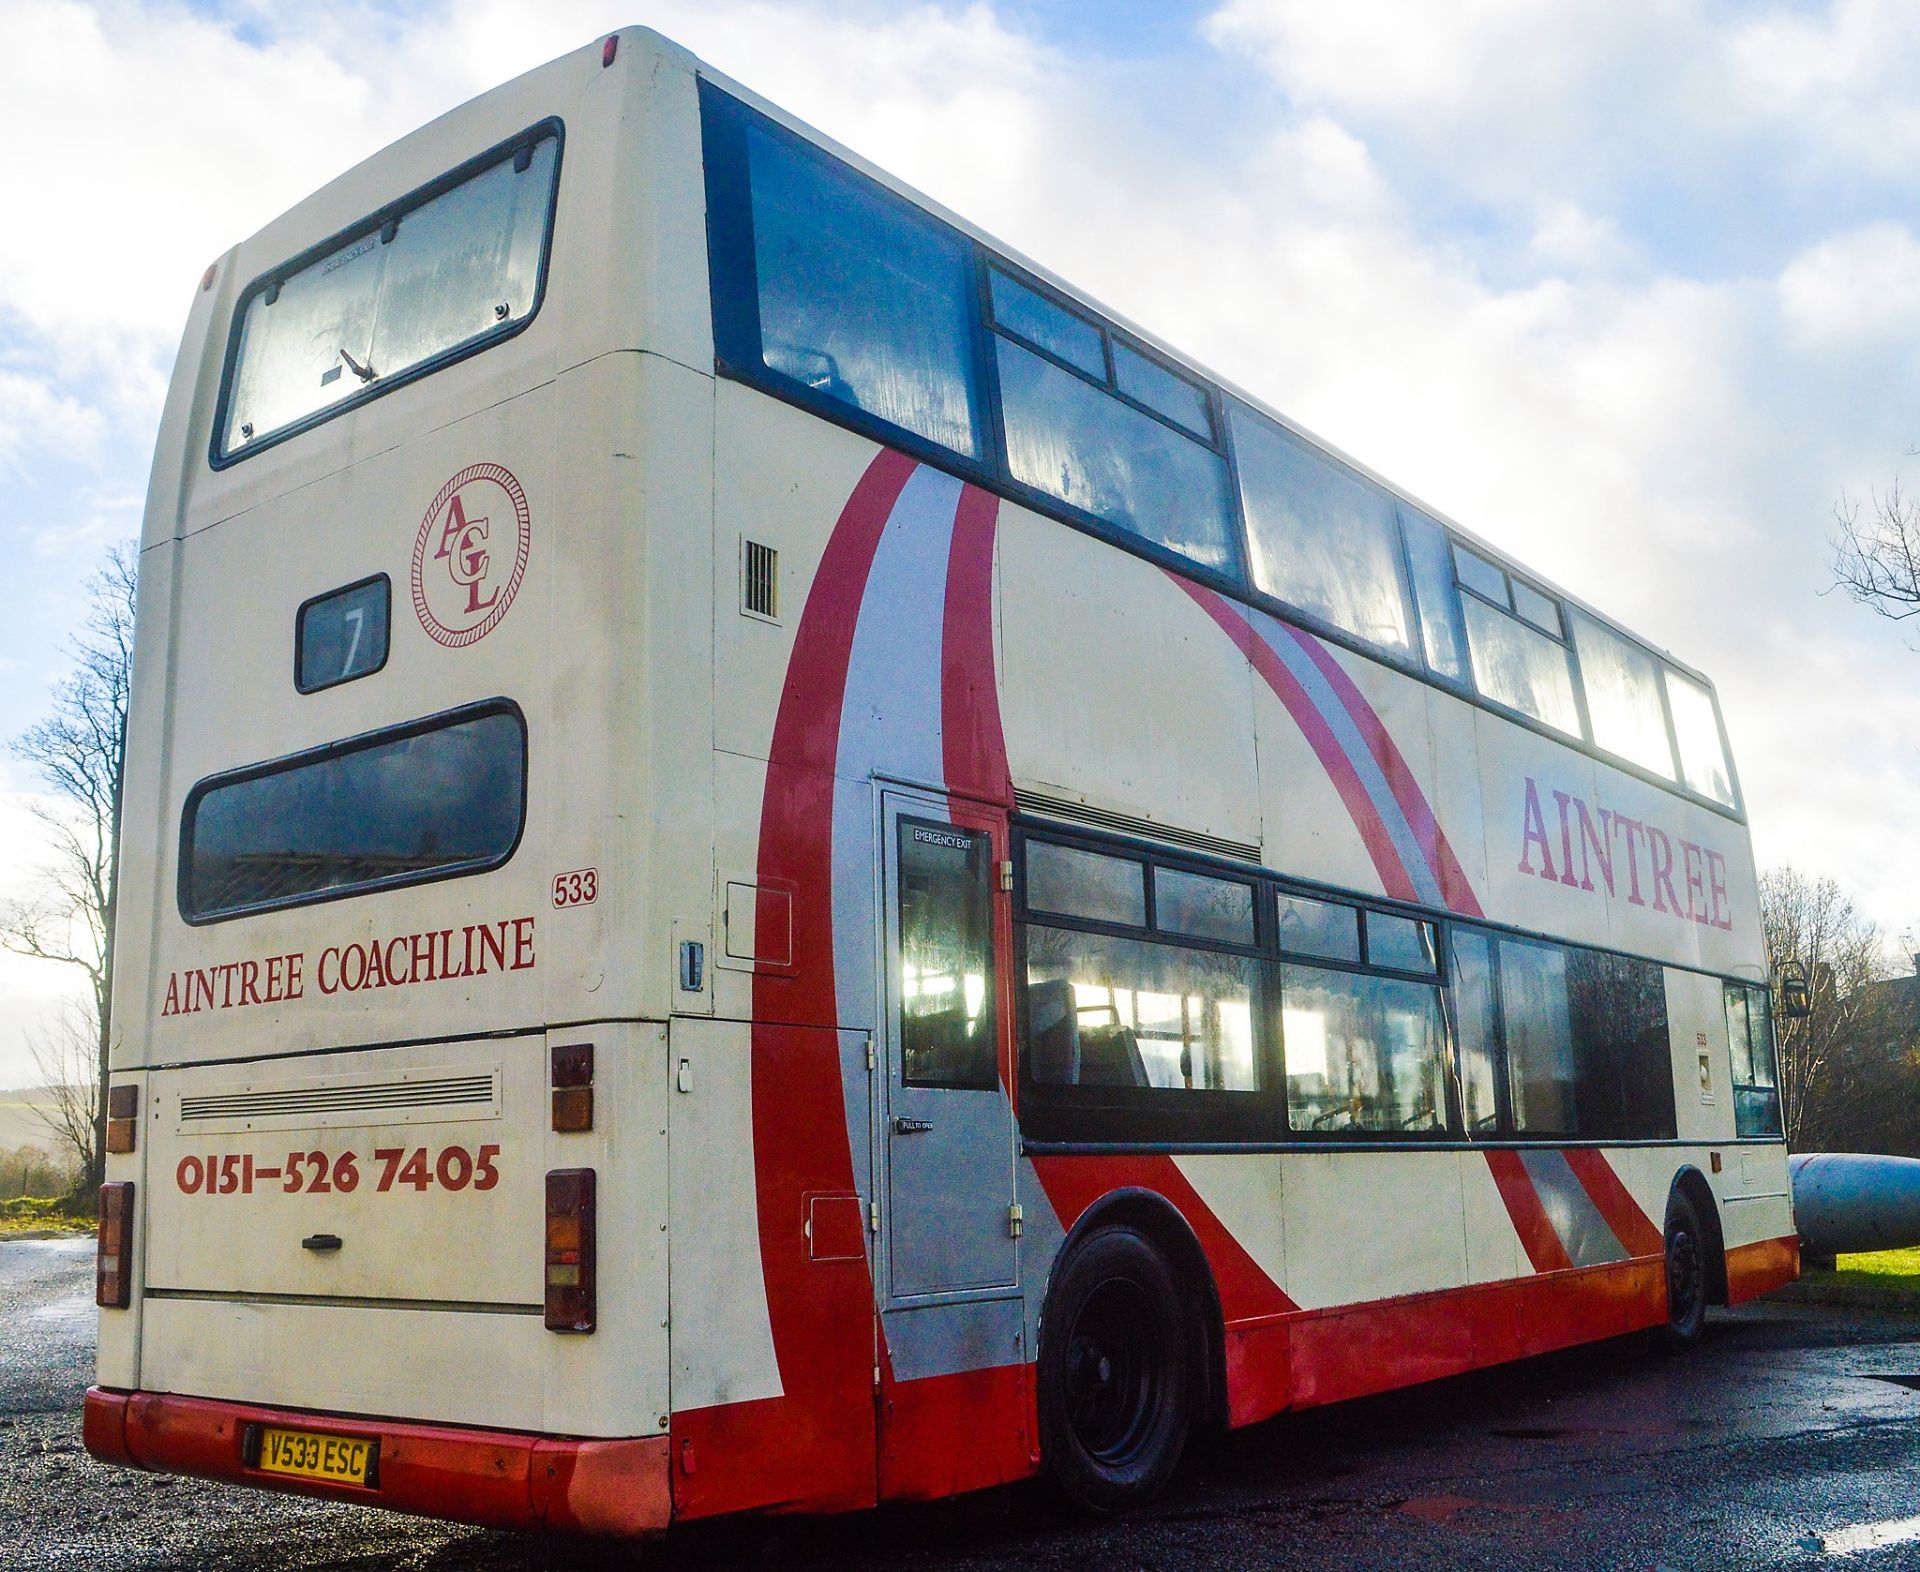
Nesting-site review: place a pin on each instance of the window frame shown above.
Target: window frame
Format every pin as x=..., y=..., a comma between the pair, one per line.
x=220, y=458
x=733, y=291
x=1564, y=638
x=359, y=742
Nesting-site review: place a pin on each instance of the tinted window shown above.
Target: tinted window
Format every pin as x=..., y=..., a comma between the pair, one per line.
x=861, y=299
x=460, y=267
x=1542, y=1074
x=1482, y=576
x=1080, y=444
x=1475, y=1028
x=1519, y=666
x=1362, y=1053
x=438, y=798
x=1400, y=943
x=1541, y=610
x=1119, y=1012
x=1076, y=883
x=1319, y=928
x=946, y=956
x=1756, y=1093
x=1444, y=639
x=1703, y=762
x=341, y=636
x=1622, y=683
x=1618, y=1008
x=1202, y=907
x=1054, y=328
x=1163, y=390
x=1322, y=539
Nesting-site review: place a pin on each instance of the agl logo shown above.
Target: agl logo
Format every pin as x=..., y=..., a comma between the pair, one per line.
x=470, y=554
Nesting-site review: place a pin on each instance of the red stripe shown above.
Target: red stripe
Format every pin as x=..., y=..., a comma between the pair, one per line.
x=1074, y=1183
x=817, y=1438
x=1759, y=1268
x=1455, y=890
x=971, y=737
x=1333, y=758
x=1631, y=1226
x=1530, y=1219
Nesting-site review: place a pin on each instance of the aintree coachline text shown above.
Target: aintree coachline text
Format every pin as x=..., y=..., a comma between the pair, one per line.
x=440, y=955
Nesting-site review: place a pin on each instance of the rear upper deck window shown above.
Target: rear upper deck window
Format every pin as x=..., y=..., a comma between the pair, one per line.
x=428, y=800
x=437, y=275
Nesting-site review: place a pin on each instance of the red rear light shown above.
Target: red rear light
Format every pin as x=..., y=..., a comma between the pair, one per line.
x=573, y=1086
x=570, y=1267
x=113, y=1265
x=609, y=49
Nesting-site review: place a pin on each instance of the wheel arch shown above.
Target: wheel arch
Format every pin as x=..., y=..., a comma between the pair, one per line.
x=1154, y=1216
x=1690, y=1182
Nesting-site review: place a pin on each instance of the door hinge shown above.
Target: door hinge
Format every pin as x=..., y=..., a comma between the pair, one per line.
x=872, y=1061
x=1006, y=874
x=1016, y=1221
x=873, y=1217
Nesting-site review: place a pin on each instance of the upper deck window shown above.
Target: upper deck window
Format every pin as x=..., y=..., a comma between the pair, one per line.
x=1623, y=696
x=1323, y=539
x=860, y=298
x=1517, y=642
x=1134, y=448
x=437, y=275
x=1703, y=760
x=422, y=801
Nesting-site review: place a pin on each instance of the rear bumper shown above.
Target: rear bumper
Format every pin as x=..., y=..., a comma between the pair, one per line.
x=500, y=1479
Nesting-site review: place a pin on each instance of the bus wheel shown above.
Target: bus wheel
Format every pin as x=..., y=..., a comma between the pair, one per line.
x=1686, y=1271
x=1116, y=1372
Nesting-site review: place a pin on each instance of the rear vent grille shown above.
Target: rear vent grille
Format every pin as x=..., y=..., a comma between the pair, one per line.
x=1126, y=824
x=419, y=1097
x=759, y=579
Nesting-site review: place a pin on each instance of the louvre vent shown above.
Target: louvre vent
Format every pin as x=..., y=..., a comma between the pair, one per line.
x=759, y=579
x=1126, y=824
x=419, y=1097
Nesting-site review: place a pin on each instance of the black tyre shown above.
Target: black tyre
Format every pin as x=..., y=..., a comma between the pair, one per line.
x=1117, y=1373
x=1687, y=1284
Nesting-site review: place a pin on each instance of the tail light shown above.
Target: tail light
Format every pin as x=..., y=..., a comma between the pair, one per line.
x=113, y=1265
x=573, y=1086
x=570, y=1266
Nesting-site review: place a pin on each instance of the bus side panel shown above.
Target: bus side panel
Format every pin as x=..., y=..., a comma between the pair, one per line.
x=1114, y=688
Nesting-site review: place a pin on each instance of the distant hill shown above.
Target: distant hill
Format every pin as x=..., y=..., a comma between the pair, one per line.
x=19, y=1124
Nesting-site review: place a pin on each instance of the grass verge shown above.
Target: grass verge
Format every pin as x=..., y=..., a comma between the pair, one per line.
x=34, y=1216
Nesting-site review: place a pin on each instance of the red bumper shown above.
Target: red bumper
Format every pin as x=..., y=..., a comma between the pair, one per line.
x=500, y=1479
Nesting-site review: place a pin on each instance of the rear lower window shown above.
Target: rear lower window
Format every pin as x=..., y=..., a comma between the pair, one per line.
x=429, y=800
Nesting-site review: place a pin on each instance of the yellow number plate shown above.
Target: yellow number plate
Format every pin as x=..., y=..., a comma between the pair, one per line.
x=305, y=1454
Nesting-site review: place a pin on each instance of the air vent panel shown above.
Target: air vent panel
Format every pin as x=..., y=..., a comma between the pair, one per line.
x=759, y=580
x=424, y=1096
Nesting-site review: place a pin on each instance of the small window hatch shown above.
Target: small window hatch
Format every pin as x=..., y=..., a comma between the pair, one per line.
x=759, y=580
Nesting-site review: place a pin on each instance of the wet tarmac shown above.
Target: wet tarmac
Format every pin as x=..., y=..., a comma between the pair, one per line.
x=1787, y=1440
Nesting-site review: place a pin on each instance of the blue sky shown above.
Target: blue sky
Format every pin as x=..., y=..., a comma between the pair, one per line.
x=1633, y=290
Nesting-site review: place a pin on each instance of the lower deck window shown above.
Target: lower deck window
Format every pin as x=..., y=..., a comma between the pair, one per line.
x=1362, y=1053
x=428, y=800
x=1109, y=1011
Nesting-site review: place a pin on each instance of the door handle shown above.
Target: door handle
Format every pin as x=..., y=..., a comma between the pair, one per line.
x=911, y=1126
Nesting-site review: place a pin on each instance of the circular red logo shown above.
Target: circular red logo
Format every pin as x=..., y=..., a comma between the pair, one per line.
x=470, y=554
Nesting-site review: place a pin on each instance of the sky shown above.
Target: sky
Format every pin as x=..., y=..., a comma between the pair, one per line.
x=1631, y=290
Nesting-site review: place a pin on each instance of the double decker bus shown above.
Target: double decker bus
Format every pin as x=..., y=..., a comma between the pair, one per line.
x=772, y=864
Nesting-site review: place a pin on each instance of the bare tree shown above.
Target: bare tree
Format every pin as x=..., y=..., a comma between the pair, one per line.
x=79, y=751
x=65, y=1055
x=1876, y=559
x=1812, y=922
